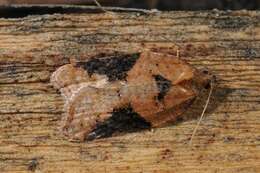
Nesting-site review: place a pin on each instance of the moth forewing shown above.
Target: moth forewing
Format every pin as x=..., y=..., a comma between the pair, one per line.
x=125, y=92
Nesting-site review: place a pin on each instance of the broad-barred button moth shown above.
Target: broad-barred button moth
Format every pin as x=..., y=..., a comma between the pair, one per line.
x=111, y=94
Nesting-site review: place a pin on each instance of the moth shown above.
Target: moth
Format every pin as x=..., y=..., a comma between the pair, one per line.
x=112, y=94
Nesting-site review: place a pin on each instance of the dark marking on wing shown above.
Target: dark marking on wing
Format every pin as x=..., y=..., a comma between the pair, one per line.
x=114, y=67
x=122, y=120
x=163, y=85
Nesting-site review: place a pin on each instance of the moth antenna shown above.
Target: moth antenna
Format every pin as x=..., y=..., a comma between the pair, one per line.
x=203, y=112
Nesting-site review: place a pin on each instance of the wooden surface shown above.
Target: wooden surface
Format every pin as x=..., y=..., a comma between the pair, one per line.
x=227, y=43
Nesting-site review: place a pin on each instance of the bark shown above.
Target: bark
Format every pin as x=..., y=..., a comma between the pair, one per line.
x=32, y=47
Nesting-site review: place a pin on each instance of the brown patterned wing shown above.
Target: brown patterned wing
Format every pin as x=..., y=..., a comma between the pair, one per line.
x=168, y=83
x=124, y=93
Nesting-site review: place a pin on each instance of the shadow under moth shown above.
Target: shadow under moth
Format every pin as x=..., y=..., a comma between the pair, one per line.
x=111, y=94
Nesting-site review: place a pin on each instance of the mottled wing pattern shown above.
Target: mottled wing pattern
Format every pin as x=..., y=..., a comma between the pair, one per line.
x=121, y=93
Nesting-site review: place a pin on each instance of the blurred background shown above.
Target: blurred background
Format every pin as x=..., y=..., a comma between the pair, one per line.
x=158, y=4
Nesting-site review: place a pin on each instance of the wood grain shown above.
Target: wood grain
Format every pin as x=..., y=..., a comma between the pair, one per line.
x=227, y=43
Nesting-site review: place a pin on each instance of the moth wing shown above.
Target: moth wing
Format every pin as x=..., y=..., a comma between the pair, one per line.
x=69, y=79
x=88, y=107
x=68, y=75
x=171, y=84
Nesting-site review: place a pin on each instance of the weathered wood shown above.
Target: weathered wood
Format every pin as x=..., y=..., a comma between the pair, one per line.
x=227, y=43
